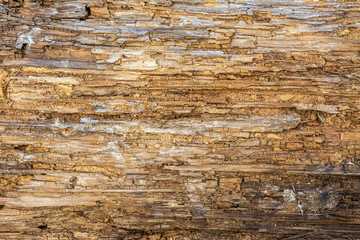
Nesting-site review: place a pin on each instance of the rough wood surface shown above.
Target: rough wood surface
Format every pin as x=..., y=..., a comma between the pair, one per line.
x=179, y=119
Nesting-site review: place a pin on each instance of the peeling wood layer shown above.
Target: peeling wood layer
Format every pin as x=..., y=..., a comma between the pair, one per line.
x=179, y=119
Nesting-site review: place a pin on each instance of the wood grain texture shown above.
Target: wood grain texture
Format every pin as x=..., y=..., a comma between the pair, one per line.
x=179, y=119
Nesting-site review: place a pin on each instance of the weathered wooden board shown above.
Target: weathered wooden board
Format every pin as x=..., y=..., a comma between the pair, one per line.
x=180, y=119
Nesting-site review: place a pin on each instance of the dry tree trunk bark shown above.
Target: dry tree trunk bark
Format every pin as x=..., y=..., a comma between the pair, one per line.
x=179, y=119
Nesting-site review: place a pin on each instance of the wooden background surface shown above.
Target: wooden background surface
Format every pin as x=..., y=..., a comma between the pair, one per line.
x=179, y=119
